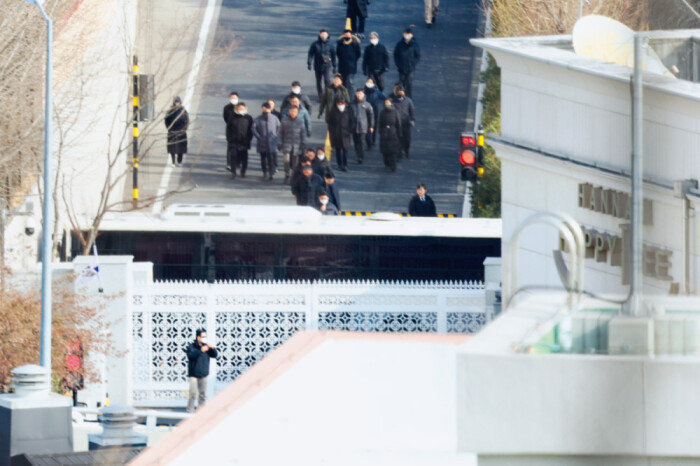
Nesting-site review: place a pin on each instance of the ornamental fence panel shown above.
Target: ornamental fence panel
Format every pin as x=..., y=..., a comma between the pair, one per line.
x=247, y=319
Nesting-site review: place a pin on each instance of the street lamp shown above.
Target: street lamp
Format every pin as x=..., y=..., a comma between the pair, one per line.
x=47, y=220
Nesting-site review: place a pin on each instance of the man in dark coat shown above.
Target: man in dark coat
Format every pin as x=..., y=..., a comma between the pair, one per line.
x=331, y=96
x=421, y=204
x=176, y=121
x=375, y=61
x=296, y=92
x=340, y=124
x=324, y=205
x=389, y=128
x=266, y=130
x=349, y=52
x=306, y=187
x=376, y=99
x=331, y=188
x=230, y=107
x=364, y=123
x=198, y=354
x=404, y=106
x=303, y=114
x=322, y=56
x=293, y=137
x=357, y=12
x=239, y=135
x=406, y=57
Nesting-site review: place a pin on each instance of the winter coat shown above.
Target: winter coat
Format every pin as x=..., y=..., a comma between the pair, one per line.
x=330, y=96
x=322, y=55
x=405, y=108
x=333, y=196
x=375, y=59
x=239, y=131
x=418, y=208
x=364, y=116
x=389, y=127
x=320, y=166
x=330, y=209
x=359, y=6
x=348, y=55
x=176, y=121
x=340, y=126
x=406, y=55
x=286, y=102
x=293, y=136
x=198, y=360
x=305, y=189
x=303, y=114
x=229, y=109
x=376, y=99
x=266, y=129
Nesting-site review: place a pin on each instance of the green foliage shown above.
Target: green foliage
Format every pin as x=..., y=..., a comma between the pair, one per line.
x=486, y=194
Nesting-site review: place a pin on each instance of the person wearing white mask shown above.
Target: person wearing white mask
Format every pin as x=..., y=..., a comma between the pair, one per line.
x=406, y=57
x=230, y=107
x=324, y=205
x=431, y=9
x=375, y=61
x=239, y=135
x=296, y=92
x=340, y=123
x=199, y=352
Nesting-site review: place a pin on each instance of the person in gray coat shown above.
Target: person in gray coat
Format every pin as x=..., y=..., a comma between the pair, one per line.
x=266, y=130
x=303, y=114
x=293, y=140
x=364, y=123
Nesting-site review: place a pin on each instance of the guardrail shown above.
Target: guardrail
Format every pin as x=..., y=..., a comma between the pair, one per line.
x=151, y=415
x=358, y=213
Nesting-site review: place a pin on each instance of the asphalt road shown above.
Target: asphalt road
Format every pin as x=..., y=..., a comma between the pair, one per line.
x=271, y=39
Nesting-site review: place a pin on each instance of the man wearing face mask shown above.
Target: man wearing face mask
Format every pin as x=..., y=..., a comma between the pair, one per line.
x=324, y=205
x=303, y=114
x=331, y=96
x=340, y=123
x=198, y=354
x=376, y=99
x=405, y=109
x=239, y=135
x=296, y=92
x=375, y=61
x=266, y=130
x=293, y=140
x=406, y=57
x=389, y=129
x=349, y=52
x=322, y=56
x=230, y=107
x=364, y=123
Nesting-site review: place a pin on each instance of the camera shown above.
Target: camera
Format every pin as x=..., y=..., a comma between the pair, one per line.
x=29, y=226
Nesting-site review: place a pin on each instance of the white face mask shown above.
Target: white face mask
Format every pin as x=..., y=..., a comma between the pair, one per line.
x=370, y=85
x=242, y=112
x=321, y=156
x=374, y=41
x=324, y=201
x=234, y=101
x=296, y=90
x=341, y=108
x=203, y=340
x=407, y=37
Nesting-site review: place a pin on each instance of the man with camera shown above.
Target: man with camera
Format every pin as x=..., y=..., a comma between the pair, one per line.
x=198, y=354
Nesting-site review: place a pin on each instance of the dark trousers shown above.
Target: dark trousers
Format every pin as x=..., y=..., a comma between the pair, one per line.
x=378, y=79
x=359, y=140
x=324, y=78
x=268, y=163
x=290, y=162
x=341, y=156
x=176, y=158
x=237, y=158
x=370, y=138
x=390, y=160
x=405, y=139
x=357, y=21
x=407, y=80
x=347, y=82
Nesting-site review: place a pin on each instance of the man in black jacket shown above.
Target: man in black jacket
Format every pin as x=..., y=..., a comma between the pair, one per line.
x=375, y=61
x=306, y=186
x=404, y=106
x=198, y=354
x=296, y=92
x=421, y=204
x=230, y=107
x=331, y=188
x=239, y=135
x=349, y=52
x=406, y=57
x=322, y=56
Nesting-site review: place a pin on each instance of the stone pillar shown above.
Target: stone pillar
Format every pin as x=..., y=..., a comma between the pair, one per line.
x=33, y=420
x=492, y=282
x=118, y=430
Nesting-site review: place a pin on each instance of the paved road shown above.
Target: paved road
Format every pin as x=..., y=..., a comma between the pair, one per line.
x=272, y=37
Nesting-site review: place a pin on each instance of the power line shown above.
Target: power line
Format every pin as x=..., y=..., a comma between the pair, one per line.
x=690, y=7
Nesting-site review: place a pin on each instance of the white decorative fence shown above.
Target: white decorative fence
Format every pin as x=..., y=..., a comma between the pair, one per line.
x=245, y=320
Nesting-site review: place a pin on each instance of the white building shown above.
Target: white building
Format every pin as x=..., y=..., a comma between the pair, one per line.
x=565, y=146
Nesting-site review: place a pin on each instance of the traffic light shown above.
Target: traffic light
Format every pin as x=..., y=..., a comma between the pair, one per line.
x=468, y=157
x=480, y=153
x=74, y=363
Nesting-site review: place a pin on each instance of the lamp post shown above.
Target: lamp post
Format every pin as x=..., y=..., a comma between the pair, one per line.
x=47, y=220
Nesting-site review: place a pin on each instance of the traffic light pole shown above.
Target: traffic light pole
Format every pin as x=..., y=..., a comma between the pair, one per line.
x=135, y=144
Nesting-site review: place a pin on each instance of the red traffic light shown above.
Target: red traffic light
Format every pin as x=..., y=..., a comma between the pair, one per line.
x=467, y=157
x=468, y=141
x=73, y=362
